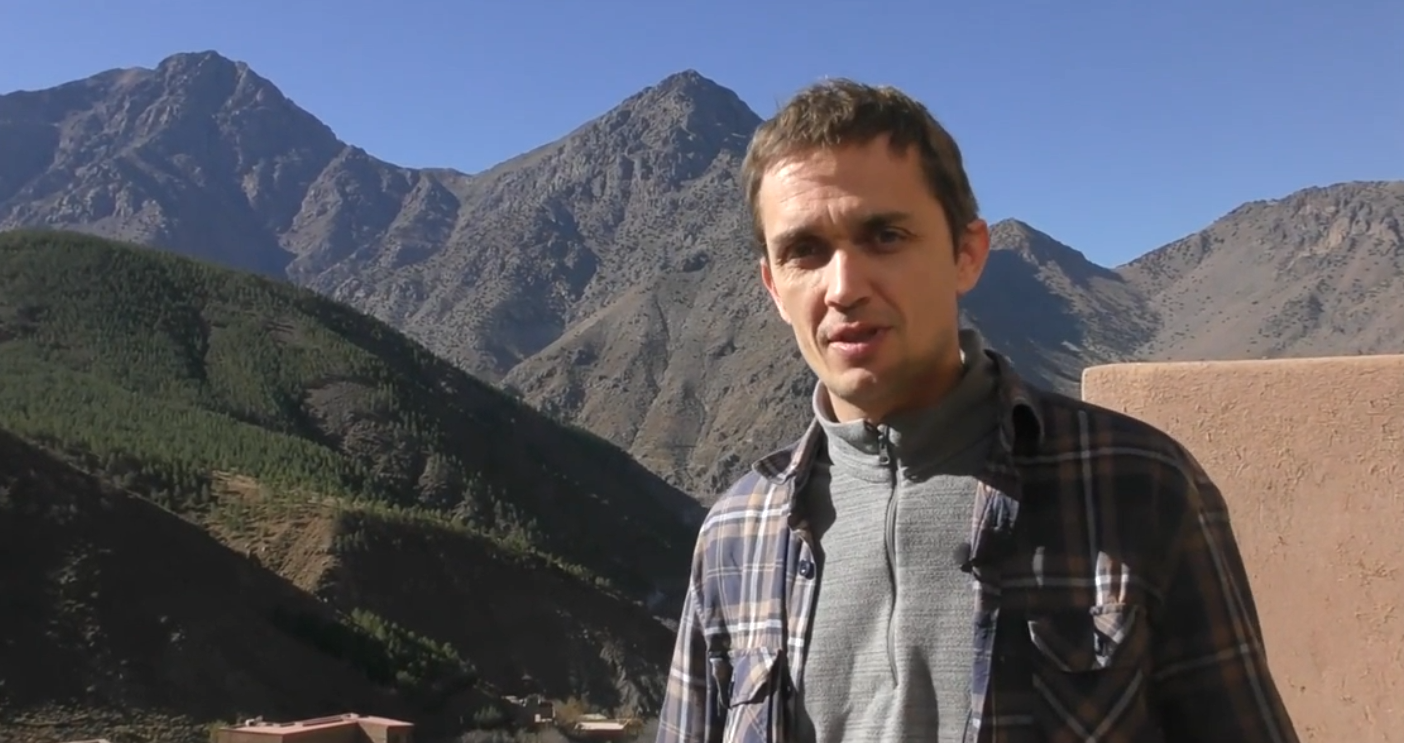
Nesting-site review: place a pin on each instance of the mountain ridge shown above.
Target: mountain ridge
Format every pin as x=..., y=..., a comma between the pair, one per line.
x=606, y=277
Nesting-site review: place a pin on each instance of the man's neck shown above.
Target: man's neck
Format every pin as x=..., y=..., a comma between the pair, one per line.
x=925, y=392
x=930, y=428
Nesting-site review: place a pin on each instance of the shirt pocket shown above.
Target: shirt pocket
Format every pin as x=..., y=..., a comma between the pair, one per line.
x=1090, y=671
x=752, y=697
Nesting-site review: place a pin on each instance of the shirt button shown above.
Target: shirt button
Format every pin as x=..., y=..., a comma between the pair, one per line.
x=806, y=569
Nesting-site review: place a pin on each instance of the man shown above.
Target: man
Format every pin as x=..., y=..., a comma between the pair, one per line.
x=947, y=553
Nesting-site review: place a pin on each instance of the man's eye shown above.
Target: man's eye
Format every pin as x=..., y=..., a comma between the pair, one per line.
x=889, y=236
x=800, y=251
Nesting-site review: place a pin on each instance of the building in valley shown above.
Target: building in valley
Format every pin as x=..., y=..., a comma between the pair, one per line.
x=348, y=728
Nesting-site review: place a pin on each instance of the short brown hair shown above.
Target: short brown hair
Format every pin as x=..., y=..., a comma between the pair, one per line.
x=841, y=112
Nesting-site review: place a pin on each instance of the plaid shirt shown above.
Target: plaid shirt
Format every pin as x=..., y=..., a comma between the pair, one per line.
x=1112, y=605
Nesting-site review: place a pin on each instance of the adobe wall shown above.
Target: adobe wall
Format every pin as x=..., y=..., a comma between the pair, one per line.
x=1310, y=456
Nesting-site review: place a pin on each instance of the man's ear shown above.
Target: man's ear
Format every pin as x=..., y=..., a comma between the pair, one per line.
x=768, y=279
x=972, y=252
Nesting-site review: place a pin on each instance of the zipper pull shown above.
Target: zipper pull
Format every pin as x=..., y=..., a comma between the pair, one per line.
x=884, y=448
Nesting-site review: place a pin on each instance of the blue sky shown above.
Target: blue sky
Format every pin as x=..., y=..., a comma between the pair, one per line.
x=1115, y=127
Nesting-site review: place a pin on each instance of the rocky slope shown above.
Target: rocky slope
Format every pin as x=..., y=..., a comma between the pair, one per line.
x=1317, y=272
x=1052, y=310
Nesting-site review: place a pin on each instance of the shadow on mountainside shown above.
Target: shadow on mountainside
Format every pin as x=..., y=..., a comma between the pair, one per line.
x=119, y=616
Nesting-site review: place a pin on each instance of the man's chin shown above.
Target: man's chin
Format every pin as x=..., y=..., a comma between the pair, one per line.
x=853, y=385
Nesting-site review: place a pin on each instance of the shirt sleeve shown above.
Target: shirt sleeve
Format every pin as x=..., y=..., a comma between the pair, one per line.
x=685, y=717
x=1212, y=677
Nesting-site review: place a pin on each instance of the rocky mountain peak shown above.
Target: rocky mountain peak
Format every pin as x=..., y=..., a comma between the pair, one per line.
x=194, y=62
x=685, y=109
x=1033, y=244
x=207, y=84
x=692, y=88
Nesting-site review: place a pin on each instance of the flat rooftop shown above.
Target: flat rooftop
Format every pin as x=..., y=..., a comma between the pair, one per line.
x=319, y=723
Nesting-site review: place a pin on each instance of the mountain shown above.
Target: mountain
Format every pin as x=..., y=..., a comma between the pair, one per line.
x=605, y=278
x=199, y=154
x=609, y=284
x=1318, y=272
x=1052, y=310
x=409, y=500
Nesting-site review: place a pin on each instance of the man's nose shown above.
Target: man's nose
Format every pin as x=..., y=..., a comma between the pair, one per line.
x=847, y=279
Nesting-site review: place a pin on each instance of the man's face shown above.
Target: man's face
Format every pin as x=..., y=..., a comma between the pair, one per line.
x=860, y=262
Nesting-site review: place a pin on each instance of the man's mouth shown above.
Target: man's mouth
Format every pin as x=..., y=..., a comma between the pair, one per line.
x=855, y=340
x=854, y=334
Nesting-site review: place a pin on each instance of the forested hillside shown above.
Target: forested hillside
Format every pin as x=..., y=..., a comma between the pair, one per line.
x=424, y=508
